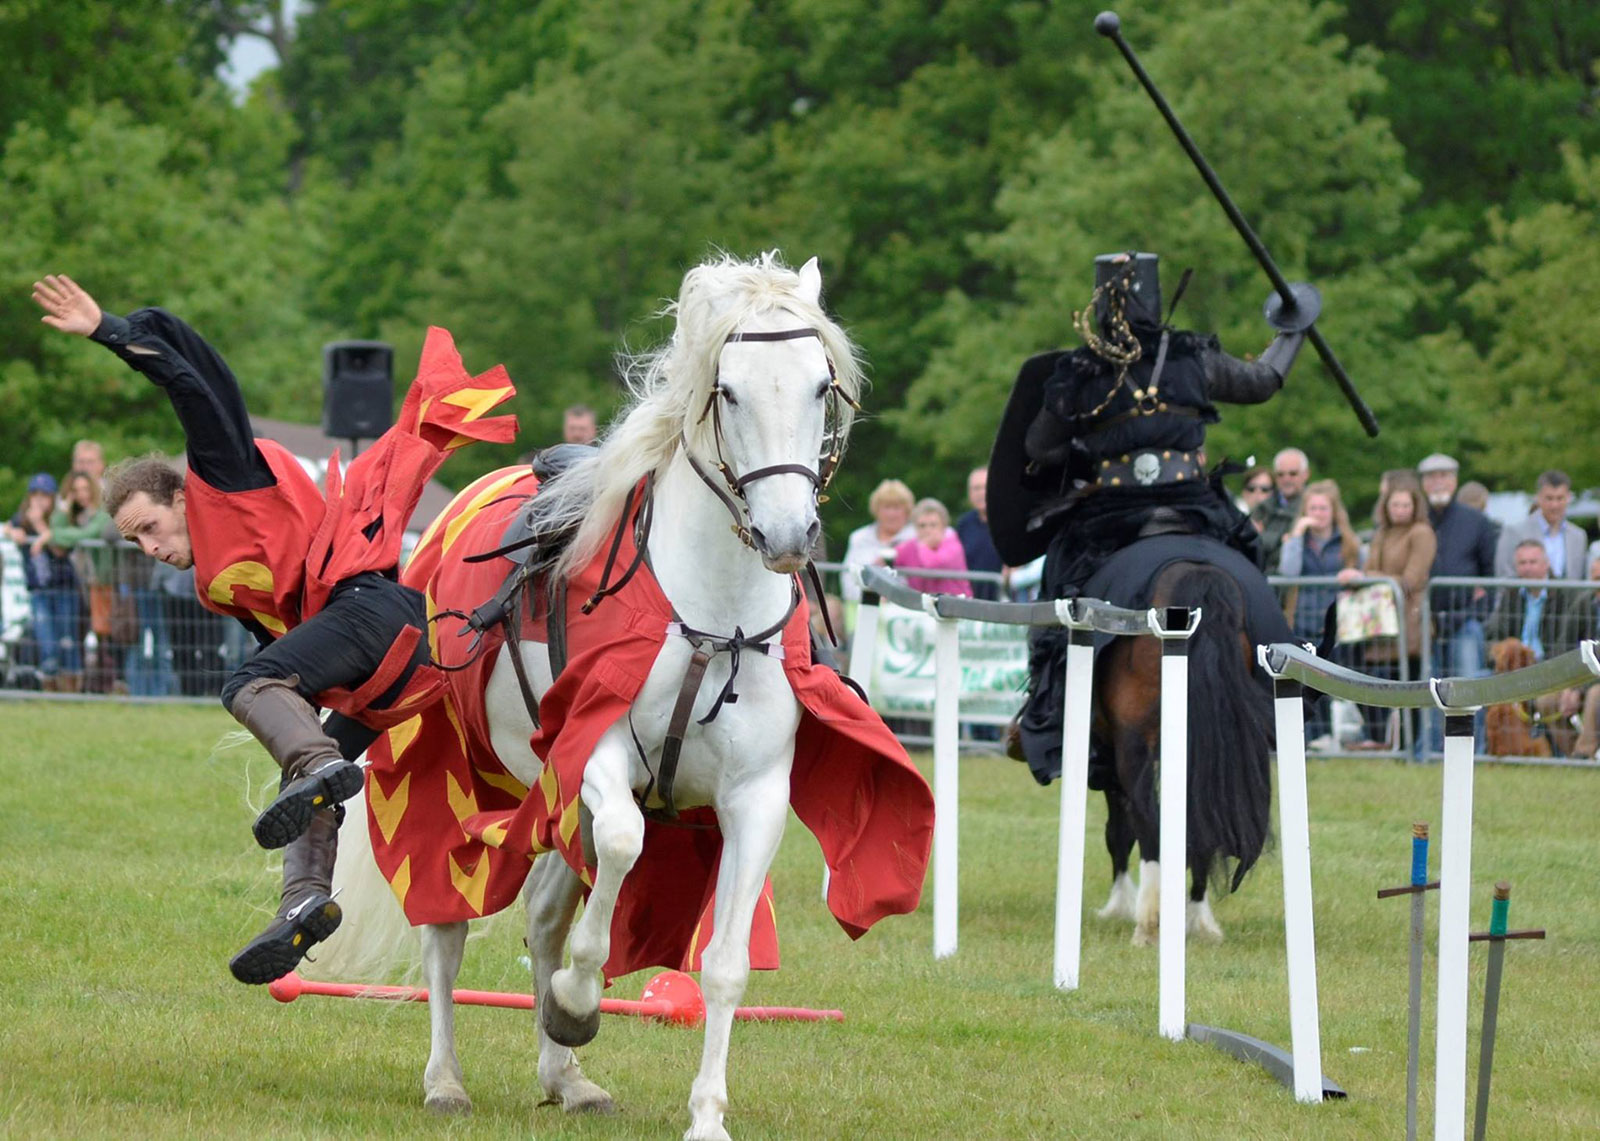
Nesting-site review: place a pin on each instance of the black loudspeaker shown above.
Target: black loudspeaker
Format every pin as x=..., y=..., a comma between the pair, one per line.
x=357, y=389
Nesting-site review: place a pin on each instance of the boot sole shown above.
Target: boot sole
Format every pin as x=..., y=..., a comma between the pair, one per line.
x=270, y=957
x=287, y=818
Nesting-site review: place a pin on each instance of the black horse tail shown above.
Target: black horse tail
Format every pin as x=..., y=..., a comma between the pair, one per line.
x=1230, y=731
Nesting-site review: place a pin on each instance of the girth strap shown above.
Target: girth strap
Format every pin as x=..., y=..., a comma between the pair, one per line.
x=641, y=534
x=514, y=644
x=678, y=725
x=705, y=646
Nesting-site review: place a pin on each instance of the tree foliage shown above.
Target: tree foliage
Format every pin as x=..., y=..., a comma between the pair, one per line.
x=1537, y=300
x=538, y=177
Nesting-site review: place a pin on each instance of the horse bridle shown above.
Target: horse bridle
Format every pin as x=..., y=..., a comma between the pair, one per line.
x=732, y=496
x=638, y=513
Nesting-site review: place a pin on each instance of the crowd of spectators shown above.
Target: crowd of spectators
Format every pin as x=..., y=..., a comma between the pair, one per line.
x=91, y=615
x=100, y=620
x=1426, y=525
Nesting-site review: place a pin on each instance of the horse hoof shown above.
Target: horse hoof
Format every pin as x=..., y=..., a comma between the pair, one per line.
x=448, y=1104
x=1145, y=938
x=565, y=1028
x=592, y=1100
x=1116, y=909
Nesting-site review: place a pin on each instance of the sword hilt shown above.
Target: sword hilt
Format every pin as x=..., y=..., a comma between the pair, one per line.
x=1501, y=909
x=1419, y=853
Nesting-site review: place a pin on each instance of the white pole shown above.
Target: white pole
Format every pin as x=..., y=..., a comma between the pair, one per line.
x=1174, y=832
x=1074, y=800
x=864, y=645
x=946, y=785
x=1294, y=840
x=1455, y=886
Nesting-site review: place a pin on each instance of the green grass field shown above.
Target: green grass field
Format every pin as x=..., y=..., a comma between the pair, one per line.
x=128, y=877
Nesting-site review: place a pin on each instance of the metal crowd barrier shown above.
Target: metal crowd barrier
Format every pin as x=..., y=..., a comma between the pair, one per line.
x=1460, y=614
x=1312, y=594
x=128, y=627
x=1292, y=669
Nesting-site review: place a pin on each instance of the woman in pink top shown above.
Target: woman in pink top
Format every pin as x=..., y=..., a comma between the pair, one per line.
x=936, y=547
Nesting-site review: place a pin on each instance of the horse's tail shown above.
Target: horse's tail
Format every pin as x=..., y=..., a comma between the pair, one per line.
x=375, y=940
x=1230, y=719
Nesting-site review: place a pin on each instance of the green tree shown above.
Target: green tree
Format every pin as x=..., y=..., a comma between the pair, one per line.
x=1482, y=95
x=1537, y=298
x=140, y=219
x=154, y=58
x=614, y=183
x=1324, y=184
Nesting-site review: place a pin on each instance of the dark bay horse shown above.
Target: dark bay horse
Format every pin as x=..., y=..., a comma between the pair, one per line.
x=1230, y=727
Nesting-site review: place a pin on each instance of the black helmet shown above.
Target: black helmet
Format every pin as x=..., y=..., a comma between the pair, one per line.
x=1135, y=278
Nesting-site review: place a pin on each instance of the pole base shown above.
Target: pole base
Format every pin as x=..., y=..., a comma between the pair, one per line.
x=1278, y=1063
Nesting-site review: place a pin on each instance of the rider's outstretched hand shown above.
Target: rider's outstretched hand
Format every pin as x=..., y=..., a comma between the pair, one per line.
x=67, y=307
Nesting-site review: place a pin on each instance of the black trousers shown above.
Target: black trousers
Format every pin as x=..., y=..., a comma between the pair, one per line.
x=343, y=645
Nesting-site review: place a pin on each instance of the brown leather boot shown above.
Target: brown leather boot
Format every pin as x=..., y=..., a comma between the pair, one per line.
x=314, y=774
x=307, y=913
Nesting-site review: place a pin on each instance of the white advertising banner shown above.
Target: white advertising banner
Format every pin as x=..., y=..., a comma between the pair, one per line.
x=994, y=667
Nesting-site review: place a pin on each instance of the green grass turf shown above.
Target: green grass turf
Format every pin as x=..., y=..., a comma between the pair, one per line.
x=128, y=878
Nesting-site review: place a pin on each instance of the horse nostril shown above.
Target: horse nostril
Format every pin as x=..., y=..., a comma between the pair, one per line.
x=812, y=532
x=757, y=539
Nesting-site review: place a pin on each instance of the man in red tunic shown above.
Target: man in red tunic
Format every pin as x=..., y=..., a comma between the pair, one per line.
x=311, y=573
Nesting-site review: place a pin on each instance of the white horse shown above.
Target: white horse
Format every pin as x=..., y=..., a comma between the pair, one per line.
x=731, y=421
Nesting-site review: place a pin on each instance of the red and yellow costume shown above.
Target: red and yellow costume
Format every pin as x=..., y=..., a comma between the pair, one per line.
x=273, y=555
x=455, y=833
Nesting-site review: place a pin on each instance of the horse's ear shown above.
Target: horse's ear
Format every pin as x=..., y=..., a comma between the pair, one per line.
x=811, y=283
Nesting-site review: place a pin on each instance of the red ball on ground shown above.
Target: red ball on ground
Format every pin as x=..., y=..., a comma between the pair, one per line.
x=286, y=989
x=679, y=989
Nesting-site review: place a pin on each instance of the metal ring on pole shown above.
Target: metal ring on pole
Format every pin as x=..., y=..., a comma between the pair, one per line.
x=1067, y=614
x=1438, y=699
x=1158, y=625
x=1586, y=650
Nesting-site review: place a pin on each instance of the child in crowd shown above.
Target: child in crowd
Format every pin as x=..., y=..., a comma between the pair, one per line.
x=936, y=547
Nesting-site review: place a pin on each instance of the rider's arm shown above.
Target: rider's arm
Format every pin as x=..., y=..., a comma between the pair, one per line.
x=1234, y=381
x=203, y=392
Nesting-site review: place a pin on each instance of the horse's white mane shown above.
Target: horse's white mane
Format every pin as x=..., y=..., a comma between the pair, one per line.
x=669, y=386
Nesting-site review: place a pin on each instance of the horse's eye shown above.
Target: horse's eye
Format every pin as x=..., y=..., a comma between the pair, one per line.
x=822, y=389
x=727, y=395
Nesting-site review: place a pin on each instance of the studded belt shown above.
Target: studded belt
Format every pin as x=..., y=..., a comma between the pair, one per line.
x=1148, y=467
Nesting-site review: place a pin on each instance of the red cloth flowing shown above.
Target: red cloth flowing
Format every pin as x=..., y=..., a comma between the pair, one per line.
x=274, y=554
x=436, y=788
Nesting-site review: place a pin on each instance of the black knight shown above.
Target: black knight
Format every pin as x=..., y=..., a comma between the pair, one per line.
x=1104, y=445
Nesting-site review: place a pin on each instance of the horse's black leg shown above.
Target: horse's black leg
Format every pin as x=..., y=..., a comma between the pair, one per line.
x=1119, y=832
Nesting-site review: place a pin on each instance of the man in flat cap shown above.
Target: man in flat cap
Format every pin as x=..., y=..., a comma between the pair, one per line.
x=1466, y=549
